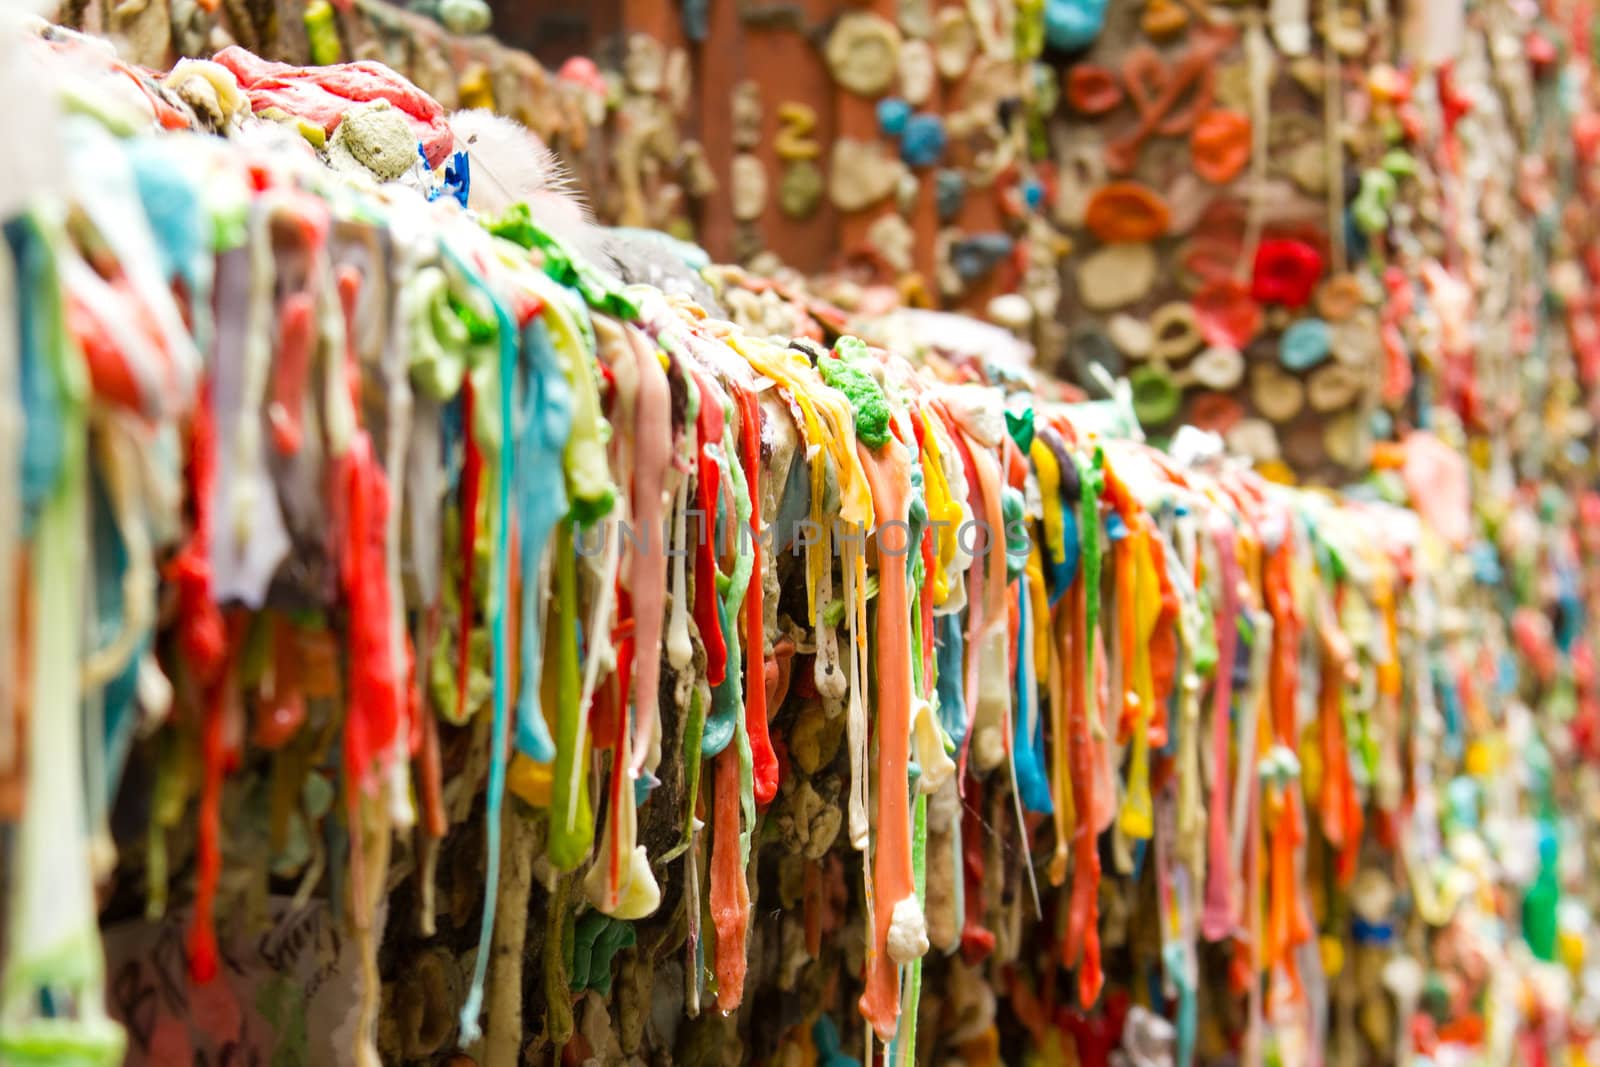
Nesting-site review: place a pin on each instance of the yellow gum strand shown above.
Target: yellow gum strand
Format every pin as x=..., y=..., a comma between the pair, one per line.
x=791, y=370
x=1389, y=667
x=855, y=498
x=1053, y=626
x=1048, y=471
x=1137, y=818
x=1040, y=601
x=819, y=546
x=941, y=508
x=530, y=780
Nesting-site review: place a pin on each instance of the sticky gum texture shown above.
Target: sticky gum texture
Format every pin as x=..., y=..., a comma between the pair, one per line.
x=1413, y=688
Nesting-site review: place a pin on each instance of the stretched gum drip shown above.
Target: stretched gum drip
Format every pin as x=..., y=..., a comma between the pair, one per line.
x=733, y=603
x=726, y=723
x=51, y=922
x=856, y=512
x=652, y=458
x=978, y=607
x=1177, y=960
x=765, y=761
x=1138, y=606
x=1082, y=940
x=127, y=654
x=680, y=649
x=1033, y=648
x=391, y=359
x=709, y=489
x=730, y=893
x=944, y=513
x=541, y=503
x=856, y=713
x=1090, y=483
x=375, y=717
x=11, y=431
x=1217, y=918
x=249, y=540
x=1339, y=801
x=899, y=934
x=589, y=485
x=471, y=488
x=1242, y=817
x=571, y=817
x=996, y=596
x=1063, y=775
x=1052, y=636
x=499, y=629
x=375, y=726
x=1288, y=925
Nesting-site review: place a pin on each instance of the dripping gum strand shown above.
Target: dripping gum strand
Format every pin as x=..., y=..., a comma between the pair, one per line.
x=653, y=454
x=1267, y=830
x=730, y=894
x=899, y=932
x=765, y=760
x=499, y=560
x=541, y=502
x=709, y=485
x=1218, y=913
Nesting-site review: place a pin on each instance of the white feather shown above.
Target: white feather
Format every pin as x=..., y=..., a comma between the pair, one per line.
x=511, y=165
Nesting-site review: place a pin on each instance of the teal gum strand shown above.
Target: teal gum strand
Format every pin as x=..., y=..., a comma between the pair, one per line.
x=949, y=651
x=917, y=520
x=541, y=503
x=1018, y=544
x=500, y=579
x=728, y=699
x=1027, y=749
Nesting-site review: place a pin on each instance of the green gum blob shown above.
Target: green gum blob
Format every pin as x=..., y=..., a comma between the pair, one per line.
x=866, y=396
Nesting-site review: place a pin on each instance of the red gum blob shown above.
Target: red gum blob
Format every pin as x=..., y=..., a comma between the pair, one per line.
x=1092, y=89
x=1227, y=314
x=1127, y=212
x=1286, y=272
x=1220, y=145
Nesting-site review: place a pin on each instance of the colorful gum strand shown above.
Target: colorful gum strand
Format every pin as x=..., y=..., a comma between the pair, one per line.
x=541, y=503
x=1062, y=774
x=571, y=817
x=730, y=894
x=379, y=678
x=765, y=760
x=709, y=487
x=1081, y=946
x=471, y=487
x=652, y=455
x=1033, y=638
x=1339, y=804
x=501, y=526
x=51, y=922
x=1217, y=918
x=1138, y=607
x=899, y=933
